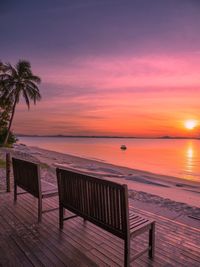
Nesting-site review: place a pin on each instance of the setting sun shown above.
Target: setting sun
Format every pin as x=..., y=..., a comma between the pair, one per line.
x=190, y=124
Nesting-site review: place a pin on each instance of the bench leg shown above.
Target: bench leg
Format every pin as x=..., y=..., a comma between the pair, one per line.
x=152, y=241
x=39, y=209
x=127, y=252
x=15, y=192
x=61, y=214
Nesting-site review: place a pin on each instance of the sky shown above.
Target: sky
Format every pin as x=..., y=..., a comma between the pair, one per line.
x=108, y=67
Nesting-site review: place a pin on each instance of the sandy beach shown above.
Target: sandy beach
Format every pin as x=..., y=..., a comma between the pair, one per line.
x=172, y=197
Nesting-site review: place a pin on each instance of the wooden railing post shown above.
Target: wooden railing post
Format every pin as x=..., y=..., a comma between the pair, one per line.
x=8, y=163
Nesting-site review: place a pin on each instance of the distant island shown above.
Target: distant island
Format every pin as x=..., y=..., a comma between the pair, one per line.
x=105, y=136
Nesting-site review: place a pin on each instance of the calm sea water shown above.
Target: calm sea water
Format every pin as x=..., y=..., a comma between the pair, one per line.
x=180, y=158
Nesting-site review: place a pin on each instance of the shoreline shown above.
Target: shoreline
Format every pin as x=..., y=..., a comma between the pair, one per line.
x=172, y=197
x=161, y=177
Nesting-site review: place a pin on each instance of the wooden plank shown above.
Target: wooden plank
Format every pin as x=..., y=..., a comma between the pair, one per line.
x=49, y=236
x=10, y=253
x=19, y=246
x=29, y=243
x=156, y=253
x=109, y=238
x=84, y=244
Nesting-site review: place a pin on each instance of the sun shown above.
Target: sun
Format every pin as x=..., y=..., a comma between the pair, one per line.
x=190, y=124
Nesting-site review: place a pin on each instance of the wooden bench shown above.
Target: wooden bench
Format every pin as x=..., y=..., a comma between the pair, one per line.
x=27, y=176
x=105, y=204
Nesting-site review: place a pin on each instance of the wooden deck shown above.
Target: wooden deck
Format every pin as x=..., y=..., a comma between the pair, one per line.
x=24, y=242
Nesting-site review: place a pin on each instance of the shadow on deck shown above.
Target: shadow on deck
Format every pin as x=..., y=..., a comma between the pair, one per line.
x=23, y=242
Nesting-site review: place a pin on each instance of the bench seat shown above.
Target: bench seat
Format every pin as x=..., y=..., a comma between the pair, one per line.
x=137, y=222
x=48, y=189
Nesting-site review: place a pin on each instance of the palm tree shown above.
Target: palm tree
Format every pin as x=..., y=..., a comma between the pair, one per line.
x=15, y=82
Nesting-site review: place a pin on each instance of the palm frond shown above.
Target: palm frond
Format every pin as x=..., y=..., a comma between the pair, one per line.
x=32, y=84
x=26, y=98
x=34, y=94
x=34, y=79
x=3, y=67
x=23, y=69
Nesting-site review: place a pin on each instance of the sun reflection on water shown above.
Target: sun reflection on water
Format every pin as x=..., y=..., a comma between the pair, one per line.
x=190, y=152
x=189, y=159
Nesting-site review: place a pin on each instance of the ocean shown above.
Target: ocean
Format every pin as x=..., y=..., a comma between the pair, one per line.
x=173, y=157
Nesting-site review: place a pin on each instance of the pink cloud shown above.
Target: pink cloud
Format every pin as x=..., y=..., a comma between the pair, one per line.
x=126, y=72
x=132, y=96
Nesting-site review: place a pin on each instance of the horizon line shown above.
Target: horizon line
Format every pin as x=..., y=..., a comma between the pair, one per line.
x=108, y=136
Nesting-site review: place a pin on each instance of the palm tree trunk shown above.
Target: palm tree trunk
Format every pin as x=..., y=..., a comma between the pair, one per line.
x=10, y=122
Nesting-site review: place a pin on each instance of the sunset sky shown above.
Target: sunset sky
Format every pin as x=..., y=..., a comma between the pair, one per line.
x=108, y=67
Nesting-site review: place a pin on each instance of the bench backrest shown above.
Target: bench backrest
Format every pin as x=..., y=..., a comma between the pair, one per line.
x=102, y=202
x=27, y=176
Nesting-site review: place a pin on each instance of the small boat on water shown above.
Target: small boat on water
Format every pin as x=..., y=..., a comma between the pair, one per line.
x=123, y=147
